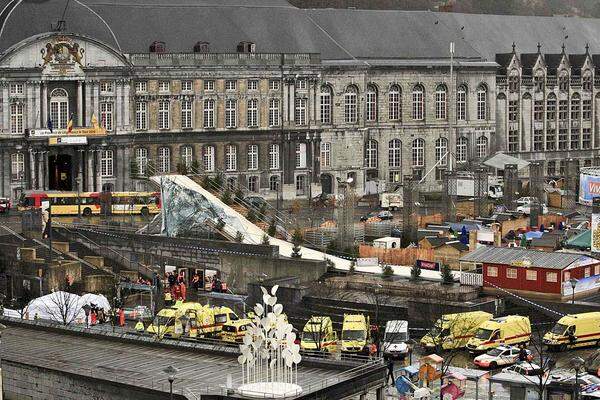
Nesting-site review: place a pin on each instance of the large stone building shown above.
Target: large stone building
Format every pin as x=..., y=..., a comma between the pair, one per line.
x=281, y=101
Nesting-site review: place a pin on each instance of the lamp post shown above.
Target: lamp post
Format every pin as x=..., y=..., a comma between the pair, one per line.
x=577, y=364
x=170, y=371
x=86, y=310
x=573, y=283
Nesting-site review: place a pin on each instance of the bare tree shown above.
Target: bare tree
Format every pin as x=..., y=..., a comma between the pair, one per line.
x=62, y=307
x=540, y=356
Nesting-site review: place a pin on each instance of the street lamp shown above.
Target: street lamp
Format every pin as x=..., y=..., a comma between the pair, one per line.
x=573, y=283
x=170, y=371
x=577, y=364
x=86, y=310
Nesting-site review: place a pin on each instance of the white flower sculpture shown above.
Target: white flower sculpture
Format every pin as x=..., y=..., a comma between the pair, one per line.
x=269, y=355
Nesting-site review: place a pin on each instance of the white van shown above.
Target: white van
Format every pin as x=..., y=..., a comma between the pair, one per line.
x=395, y=339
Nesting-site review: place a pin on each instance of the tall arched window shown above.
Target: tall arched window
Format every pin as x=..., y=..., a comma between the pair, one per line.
x=418, y=153
x=59, y=108
x=395, y=103
x=461, y=103
x=482, y=102
x=371, y=103
x=351, y=105
x=441, y=150
x=230, y=157
x=141, y=160
x=462, y=144
x=440, y=102
x=209, y=113
x=274, y=156
x=164, y=160
x=395, y=153
x=418, y=102
x=371, y=154
x=482, y=146
x=326, y=104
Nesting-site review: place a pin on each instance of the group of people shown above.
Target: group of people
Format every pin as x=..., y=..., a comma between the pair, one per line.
x=177, y=289
x=97, y=315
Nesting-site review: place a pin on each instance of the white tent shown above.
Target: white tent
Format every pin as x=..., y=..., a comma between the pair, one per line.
x=64, y=307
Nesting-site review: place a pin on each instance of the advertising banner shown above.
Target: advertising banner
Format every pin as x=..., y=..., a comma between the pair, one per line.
x=428, y=265
x=589, y=187
x=583, y=285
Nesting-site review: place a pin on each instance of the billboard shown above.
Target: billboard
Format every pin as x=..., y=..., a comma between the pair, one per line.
x=595, y=246
x=428, y=265
x=589, y=187
x=591, y=283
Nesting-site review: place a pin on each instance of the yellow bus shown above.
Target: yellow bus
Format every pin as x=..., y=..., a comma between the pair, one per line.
x=68, y=203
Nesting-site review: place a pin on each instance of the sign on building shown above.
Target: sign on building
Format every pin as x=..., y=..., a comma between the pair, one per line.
x=428, y=265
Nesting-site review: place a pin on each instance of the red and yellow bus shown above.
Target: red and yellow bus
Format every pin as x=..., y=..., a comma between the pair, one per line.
x=68, y=203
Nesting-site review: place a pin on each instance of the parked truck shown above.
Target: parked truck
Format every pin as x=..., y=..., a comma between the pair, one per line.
x=574, y=330
x=392, y=200
x=465, y=187
x=355, y=334
x=453, y=331
x=512, y=329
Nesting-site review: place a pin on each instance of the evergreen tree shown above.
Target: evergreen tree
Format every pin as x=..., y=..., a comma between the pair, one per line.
x=226, y=197
x=387, y=271
x=239, y=237
x=251, y=215
x=446, y=274
x=415, y=272
x=265, y=240
x=272, y=231
x=352, y=269
x=296, y=241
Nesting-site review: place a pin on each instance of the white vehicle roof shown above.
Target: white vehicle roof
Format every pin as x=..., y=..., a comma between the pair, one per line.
x=396, y=326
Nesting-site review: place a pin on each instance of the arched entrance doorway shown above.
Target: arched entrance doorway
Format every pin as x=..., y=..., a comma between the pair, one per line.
x=59, y=171
x=326, y=183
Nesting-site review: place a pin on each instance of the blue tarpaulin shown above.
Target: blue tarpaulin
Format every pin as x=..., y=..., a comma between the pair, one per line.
x=533, y=234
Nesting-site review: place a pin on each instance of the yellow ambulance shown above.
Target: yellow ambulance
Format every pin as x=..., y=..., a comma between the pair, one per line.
x=453, y=331
x=318, y=335
x=574, y=330
x=509, y=330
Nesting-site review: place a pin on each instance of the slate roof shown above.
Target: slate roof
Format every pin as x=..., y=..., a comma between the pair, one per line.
x=577, y=61
x=547, y=240
x=436, y=241
x=581, y=241
x=552, y=62
x=508, y=255
x=458, y=245
x=528, y=60
x=503, y=60
x=278, y=27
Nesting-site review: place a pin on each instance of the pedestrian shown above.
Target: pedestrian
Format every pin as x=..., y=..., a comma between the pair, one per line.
x=45, y=223
x=372, y=350
x=183, y=291
x=390, y=368
x=522, y=353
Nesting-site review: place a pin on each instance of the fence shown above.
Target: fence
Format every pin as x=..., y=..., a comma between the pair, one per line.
x=406, y=256
x=471, y=279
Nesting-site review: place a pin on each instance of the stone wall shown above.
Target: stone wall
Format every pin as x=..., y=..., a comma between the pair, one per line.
x=28, y=382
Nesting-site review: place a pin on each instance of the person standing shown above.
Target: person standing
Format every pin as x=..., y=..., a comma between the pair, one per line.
x=390, y=374
x=45, y=223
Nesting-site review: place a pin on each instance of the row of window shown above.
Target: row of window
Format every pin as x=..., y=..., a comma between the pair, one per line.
x=532, y=275
x=540, y=82
x=394, y=103
x=578, y=109
x=209, y=113
x=418, y=152
x=187, y=86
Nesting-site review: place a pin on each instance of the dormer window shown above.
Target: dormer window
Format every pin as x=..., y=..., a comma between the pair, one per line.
x=587, y=81
x=246, y=47
x=513, y=82
x=164, y=86
x=563, y=81
x=201, y=47
x=158, y=47
x=538, y=81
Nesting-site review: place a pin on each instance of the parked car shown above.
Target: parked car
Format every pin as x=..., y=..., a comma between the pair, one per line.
x=524, y=368
x=368, y=215
x=385, y=215
x=526, y=209
x=255, y=201
x=500, y=356
x=526, y=200
x=4, y=205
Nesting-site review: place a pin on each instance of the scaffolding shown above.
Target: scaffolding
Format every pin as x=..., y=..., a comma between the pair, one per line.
x=511, y=185
x=481, y=192
x=536, y=189
x=449, y=195
x=409, y=210
x=571, y=182
x=345, y=216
